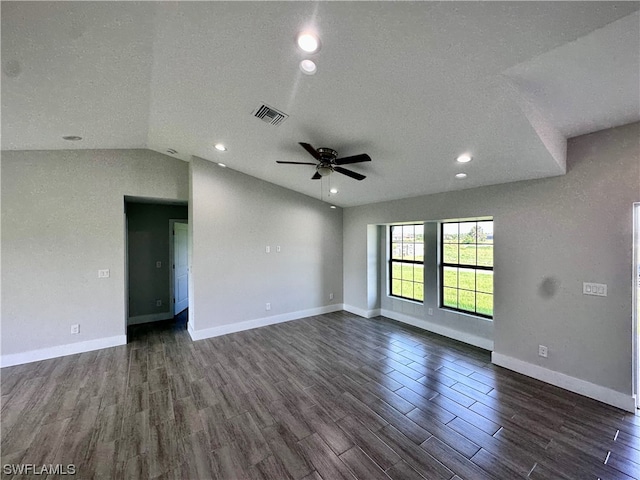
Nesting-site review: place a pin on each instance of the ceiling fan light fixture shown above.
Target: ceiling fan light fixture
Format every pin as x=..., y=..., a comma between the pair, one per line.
x=308, y=67
x=308, y=42
x=324, y=170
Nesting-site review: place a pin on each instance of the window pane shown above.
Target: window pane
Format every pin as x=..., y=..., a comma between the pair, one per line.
x=467, y=300
x=468, y=254
x=485, y=255
x=419, y=231
x=418, y=273
x=396, y=251
x=396, y=287
x=484, y=304
x=407, y=289
x=450, y=252
x=396, y=234
x=450, y=232
x=408, y=233
x=396, y=270
x=407, y=251
x=407, y=272
x=485, y=232
x=450, y=277
x=467, y=279
x=418, y=291
x=484, y=281
x=419, y=251
x=468, y=232
x=450, y=297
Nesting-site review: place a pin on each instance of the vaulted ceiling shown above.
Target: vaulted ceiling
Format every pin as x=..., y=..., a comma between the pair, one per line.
x=413, y=84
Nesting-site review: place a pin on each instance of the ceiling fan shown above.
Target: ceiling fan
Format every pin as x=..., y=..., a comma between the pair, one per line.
x=328, y=162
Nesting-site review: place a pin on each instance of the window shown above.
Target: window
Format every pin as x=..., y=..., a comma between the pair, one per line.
x=466, y=267
x=406, y=264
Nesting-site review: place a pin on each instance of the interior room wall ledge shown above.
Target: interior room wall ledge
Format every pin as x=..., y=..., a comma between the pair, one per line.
x=261, y=322
x=362, y=312
x=582, y=387
x=61, y=350
x=452, y=333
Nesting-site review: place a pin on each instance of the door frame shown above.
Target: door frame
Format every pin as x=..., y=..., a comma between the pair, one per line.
x=172, y=270
x=635, y=304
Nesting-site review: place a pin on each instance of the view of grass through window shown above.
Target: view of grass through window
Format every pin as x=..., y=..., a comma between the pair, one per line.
x=467, y=267
x=406, y=265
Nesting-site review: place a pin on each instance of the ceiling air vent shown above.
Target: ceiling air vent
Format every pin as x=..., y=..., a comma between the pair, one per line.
x=269, y=115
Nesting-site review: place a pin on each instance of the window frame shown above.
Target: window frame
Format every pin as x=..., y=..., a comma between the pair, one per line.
x=414, y=262
x=458, y=265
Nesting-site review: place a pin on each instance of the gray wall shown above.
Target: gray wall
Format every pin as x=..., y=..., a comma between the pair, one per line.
x=233, y=217
x=62, y=221
x=550, y=236
x=148, y=242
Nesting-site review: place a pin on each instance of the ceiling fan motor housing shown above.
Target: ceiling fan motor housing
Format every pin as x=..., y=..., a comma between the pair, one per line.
x=327, y=154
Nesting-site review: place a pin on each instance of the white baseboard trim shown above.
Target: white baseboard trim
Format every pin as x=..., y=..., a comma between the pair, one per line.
x=362, y=313
x=152, y=317
x=465, y=337
x=582, y=387
x=61, y=350
x=261, y=322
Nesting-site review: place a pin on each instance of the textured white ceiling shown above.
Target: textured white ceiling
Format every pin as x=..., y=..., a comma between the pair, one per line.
x=411, y=84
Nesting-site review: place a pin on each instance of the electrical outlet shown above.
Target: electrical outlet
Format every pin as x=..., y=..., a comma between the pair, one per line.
x=431, y=311
x=103, y=273
x=267, y=249
x=543, y=351
x=331, y=296
x=158, y=303
x=75, y=329
x=267, y=306
x=158, y=264
x=278, y=249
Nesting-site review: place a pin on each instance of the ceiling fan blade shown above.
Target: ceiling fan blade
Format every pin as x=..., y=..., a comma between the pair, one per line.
x=349, y=173
x=314, y=153
x=316, y=176
x=363, y=157
x=295, y=163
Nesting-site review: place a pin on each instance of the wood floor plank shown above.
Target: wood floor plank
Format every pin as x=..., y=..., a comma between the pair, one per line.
x=325, y=462
x=362, y=466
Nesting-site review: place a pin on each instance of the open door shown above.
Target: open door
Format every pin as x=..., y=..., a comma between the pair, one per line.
x=180, y=280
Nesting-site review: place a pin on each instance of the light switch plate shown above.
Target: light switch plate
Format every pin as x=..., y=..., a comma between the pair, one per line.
x=103, y=273
x=597, y=289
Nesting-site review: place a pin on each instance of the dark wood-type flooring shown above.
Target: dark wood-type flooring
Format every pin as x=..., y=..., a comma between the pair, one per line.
x=329, y=397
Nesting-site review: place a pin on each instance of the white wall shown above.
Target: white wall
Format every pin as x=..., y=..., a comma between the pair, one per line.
x=62, y=220
x=233, y=217
x=550, y=236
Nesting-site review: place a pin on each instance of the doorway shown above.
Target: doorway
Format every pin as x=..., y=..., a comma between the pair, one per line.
x=149, y=260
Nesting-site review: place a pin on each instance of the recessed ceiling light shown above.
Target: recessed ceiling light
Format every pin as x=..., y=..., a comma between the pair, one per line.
x=308, y=67
x=72, y=138
x=222, y=165
x=333, y=206
x=464, y=158
x=334, y=190
x=461, y=175
x=308, y=42
x=221, y=147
